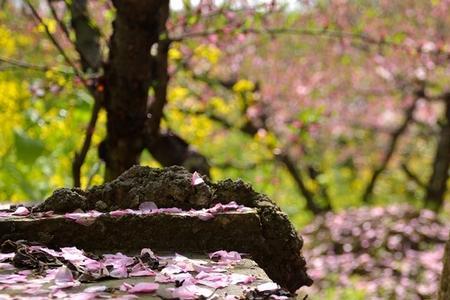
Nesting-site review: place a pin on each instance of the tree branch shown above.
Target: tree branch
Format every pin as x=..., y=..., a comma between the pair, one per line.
x=408, y=117
x=57, y=45
x=21, y=64
x=80, y=156
x=410, y=174
x=298, y=178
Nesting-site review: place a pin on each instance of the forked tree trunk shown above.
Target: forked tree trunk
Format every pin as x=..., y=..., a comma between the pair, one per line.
x=128, y=77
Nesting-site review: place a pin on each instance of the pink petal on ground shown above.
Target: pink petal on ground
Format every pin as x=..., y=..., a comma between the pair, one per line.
x=276, y=297
x=171, y=269
x=58, y=294
x=147, y=251
x=202, y=214
x=25, y=272
x=95, y=289
x=214, y=284
x=119, y=213
x=21, y=211
x=141, y=270
x=206, y=268
x=92, y=265
x=65, y=285
x=73, y=254
x=125, y=287
x=241, y=278
x=190, y=291
x=63, y=275
x=46, y=250
x=82, y=296
x=12, y=278
x=118, y=259
x=214, y=280
x=6, y=266
x=196, y=179
x=148, y=206
x=244, y=209
x=5, y=256
x=186, y=278
x=225, y=257
x=268, y=286
x=231, y=297
x=161, y=278
x=82, y=218
x=144, y=287
x=170, y=210
x=119, y=272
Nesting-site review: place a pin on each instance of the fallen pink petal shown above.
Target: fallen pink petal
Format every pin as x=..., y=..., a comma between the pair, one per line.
x=197, y=179
x=21, y=211
x=144, y=287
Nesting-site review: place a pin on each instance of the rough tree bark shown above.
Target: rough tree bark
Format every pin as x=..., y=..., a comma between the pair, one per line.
x=437, y=184
x=128, y=78
x=138, y=61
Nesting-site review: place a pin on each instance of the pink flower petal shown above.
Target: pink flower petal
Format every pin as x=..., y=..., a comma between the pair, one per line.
x=202, y=214
x=118, y=213
x=196, y=179
x=144, y=287
x=95, y=289
x=170, y=210
x=141, y=270
x=125, y=287
x=82, y=218
x=21, y=211
x=119, y=272
x=63, y=275
x=190, y=291
x=83, y=296
x=268, y=286
x=148, y=206
x=225, y=257
x=171, y=269
x=241, y=278
x=5, y=256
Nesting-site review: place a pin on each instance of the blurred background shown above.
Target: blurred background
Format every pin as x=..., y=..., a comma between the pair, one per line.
x=338, y=110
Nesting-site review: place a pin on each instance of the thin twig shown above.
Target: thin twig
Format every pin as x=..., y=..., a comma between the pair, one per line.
x=411, y=175
x=60, y=22
x=325, y=33
x=25, y=65
x=58, y=46
x=408, y=117
x=81, y=156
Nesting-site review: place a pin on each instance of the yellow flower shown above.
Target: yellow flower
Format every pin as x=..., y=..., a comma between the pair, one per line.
x=243, y=85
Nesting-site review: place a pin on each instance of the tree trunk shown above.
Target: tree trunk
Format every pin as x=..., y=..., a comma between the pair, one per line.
x=437, y=185
x=444, y=290
x=128, y=76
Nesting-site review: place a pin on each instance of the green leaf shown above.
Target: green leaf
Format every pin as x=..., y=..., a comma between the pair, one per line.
x=27, y=148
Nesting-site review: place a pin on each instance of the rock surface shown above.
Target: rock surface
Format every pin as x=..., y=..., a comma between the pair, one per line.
x=266, y=234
